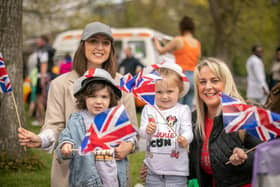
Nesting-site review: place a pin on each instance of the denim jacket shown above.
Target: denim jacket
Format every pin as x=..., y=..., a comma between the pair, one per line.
x=83, y=172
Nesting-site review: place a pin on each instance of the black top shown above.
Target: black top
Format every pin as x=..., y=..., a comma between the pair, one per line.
x=221, y=145
x=129, y=65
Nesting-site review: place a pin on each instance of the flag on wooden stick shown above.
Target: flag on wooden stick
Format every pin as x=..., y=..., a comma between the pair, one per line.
x=5, y=83
x=257, y=121
x=107, y=130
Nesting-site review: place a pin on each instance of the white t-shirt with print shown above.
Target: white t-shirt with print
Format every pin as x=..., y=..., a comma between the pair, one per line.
x=167, y=157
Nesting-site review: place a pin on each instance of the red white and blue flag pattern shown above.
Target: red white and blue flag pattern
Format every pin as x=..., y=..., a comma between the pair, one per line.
x=107, y=130
x=127, y=82
x=142, y=85
x=257, y=121
x=5, y=83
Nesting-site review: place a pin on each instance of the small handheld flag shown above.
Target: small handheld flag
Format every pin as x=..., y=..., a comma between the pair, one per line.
x=142, y=85
x=107, y=130
x=145, y=87
x=255, y=120
x=5, y=83
x=127, y=83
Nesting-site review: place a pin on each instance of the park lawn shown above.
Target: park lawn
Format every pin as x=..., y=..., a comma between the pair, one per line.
x=41, y=178
x=37, y=178
x=135, y=163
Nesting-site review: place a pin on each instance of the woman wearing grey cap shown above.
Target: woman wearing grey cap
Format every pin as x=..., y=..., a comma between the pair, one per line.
x=96, y=50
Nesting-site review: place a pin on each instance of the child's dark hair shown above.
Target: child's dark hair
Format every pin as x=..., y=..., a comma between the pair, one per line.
x=90, y=89
x=187, y=24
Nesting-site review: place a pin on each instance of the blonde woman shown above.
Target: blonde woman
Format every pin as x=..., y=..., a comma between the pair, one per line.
x=212, y=147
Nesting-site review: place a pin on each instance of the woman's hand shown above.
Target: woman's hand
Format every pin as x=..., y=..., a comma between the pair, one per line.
x=66, y=149
x=28, y=138
x=151, y=128
x=182, y=141
x=123, y=149
x=238, y=157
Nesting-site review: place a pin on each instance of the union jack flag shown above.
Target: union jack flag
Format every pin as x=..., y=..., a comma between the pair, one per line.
x=142, y=85
x=127, y=82
x=107, y=130
x=5, y=84
x=145, y=87
x=255, y=120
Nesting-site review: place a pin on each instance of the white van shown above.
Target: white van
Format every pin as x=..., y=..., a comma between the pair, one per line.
x=139, y=39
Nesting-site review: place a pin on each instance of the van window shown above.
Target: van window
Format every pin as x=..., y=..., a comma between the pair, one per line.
x=138, y=48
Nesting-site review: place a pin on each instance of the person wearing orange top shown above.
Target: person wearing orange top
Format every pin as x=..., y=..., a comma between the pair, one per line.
x=187, y=50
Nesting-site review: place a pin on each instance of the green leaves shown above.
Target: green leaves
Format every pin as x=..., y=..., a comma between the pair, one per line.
x=27, y=163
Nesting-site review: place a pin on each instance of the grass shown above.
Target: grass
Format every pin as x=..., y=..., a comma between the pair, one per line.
x=38, y=178
x=135, y=162
x=41, y=177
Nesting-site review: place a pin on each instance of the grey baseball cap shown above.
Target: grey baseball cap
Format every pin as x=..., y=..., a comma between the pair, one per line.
x=96, y=28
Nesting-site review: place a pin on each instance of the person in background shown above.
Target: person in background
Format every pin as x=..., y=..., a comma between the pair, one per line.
x=45, y=46
x=187, y=50
x=167, y=156
x=31, y=62
x=66, y=64
x=32, y=76
x=130, y=64
x=212, y=147
x=257, y=89
x=44, y=56
x=96, y=50
x=275, y=70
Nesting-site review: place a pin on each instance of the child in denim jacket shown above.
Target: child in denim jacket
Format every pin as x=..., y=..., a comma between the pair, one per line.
x=95, y=92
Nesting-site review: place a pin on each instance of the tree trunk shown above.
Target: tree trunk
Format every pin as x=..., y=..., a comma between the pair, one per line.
x=222, y=48
x=11, y=49
x=221, y=25
x=225, y=16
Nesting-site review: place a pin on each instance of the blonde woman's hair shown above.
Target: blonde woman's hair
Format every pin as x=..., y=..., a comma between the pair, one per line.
x=173, y=76
x=221, y=70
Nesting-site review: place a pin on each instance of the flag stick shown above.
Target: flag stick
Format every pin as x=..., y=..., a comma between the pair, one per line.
x=19, y=122
x=93, y=151
x=14, y=100
x=13, y=97
x=77, y=150
x=248, y=151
